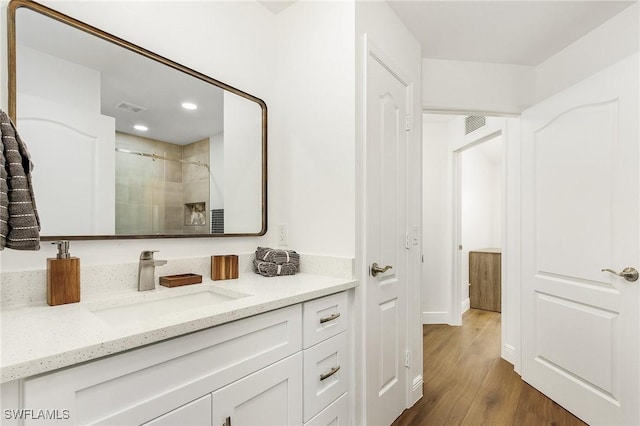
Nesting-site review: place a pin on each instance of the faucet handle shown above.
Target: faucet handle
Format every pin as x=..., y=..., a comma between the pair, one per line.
x=147, y=254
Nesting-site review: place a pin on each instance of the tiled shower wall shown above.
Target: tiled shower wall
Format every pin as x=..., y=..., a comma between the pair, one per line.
x=195, y=181
x=151, y=194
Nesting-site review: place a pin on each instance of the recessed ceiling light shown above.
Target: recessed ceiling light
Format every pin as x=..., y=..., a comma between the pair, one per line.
x=141, y=127
x=189, y=105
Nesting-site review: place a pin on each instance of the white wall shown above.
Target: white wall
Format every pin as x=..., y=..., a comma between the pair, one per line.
x=216, y=164
x=437, y=223
x=481, y=187
x=57, y=80
x=231, y=41
x=611, y=42
x=314, y=127
x=474, y=86
x=243, y=165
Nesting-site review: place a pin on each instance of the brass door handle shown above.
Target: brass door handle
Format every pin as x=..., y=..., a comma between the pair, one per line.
x=375, y=269
x=628, y=273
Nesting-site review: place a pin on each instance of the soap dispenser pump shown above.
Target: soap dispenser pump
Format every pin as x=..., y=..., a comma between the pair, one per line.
x=63, y=276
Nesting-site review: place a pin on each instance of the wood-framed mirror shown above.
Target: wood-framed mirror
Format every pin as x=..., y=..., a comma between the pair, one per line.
x=127, y=143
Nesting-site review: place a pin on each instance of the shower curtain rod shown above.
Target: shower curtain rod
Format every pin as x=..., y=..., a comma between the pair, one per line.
x=162, y=157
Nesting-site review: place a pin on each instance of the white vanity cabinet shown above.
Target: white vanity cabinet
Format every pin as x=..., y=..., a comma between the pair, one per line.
x=251, y=371
x=138, y=386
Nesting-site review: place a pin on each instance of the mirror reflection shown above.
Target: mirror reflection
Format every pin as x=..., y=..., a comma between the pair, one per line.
x=126, y=145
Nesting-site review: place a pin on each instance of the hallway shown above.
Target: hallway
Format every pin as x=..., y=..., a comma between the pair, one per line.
x=467, y=383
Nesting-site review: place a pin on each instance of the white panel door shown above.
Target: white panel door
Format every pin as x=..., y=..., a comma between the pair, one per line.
x=386, y=304
x=73, y=150
x=581, y=326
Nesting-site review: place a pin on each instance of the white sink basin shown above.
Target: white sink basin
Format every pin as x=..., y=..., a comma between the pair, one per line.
x=149, y=309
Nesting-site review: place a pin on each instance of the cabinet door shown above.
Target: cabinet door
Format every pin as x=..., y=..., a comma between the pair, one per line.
x=269, y=397
x=196, y=413
x=336, y=414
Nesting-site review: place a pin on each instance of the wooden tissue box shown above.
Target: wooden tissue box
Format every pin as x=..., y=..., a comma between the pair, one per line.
x=178, y=280
x=224, y=267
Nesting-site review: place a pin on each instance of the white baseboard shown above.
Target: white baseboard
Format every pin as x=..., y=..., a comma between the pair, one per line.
x=509, y=355
x=416, y=389
x=435, y=317
x=466, y=305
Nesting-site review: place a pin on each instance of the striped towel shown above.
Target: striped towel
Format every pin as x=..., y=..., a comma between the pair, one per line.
x=19, y=221
x=270, y=269
x=278, y=256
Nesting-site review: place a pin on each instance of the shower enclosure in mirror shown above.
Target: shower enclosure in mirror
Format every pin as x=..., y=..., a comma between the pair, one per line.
x=129, y=144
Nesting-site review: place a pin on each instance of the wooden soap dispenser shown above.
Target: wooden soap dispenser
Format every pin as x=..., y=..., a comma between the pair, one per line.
x=63, y=276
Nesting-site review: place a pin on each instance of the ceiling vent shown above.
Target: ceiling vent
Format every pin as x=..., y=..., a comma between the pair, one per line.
x=474, y=122
x=128, y=106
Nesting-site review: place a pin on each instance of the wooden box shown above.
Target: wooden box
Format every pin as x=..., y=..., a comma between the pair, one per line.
x=224, y=267
x=181, y=279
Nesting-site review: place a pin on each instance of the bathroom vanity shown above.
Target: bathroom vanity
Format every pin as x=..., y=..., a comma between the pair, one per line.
x=274, y=351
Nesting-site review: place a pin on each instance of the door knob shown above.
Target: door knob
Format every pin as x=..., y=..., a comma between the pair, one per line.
x=375, y=269
x=628, y=273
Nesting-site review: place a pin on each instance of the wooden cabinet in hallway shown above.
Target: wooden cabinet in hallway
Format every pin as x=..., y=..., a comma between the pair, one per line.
x=485, y=279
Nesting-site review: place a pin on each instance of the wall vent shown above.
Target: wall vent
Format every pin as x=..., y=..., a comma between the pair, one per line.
x=128, y=106
x=474, y=122
x=217, y=221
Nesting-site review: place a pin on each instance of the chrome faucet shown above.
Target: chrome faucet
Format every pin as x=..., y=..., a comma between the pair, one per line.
x=146, y=270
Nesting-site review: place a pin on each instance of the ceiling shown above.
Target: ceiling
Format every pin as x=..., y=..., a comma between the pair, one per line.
x=516, y=32
x=506, y=32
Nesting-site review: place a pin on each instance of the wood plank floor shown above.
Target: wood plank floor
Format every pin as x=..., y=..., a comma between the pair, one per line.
x=467, y=383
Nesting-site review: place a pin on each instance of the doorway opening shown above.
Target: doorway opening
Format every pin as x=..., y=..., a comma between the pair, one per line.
x=479, y=210
x=464, y=211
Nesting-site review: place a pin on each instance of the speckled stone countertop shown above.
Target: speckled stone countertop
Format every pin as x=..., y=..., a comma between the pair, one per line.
x=39, y=338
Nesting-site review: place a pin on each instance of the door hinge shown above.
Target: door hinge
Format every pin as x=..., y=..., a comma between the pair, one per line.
x=408, y=123
x=407, y=359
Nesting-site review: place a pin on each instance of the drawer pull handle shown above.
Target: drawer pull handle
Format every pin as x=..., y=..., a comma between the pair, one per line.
x=227, y=422
x=333, y=371
x=329, y=318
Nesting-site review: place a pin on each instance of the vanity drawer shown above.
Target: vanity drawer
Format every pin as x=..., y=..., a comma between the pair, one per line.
x=323, y=318
x=326, y=373
x=336, y=414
